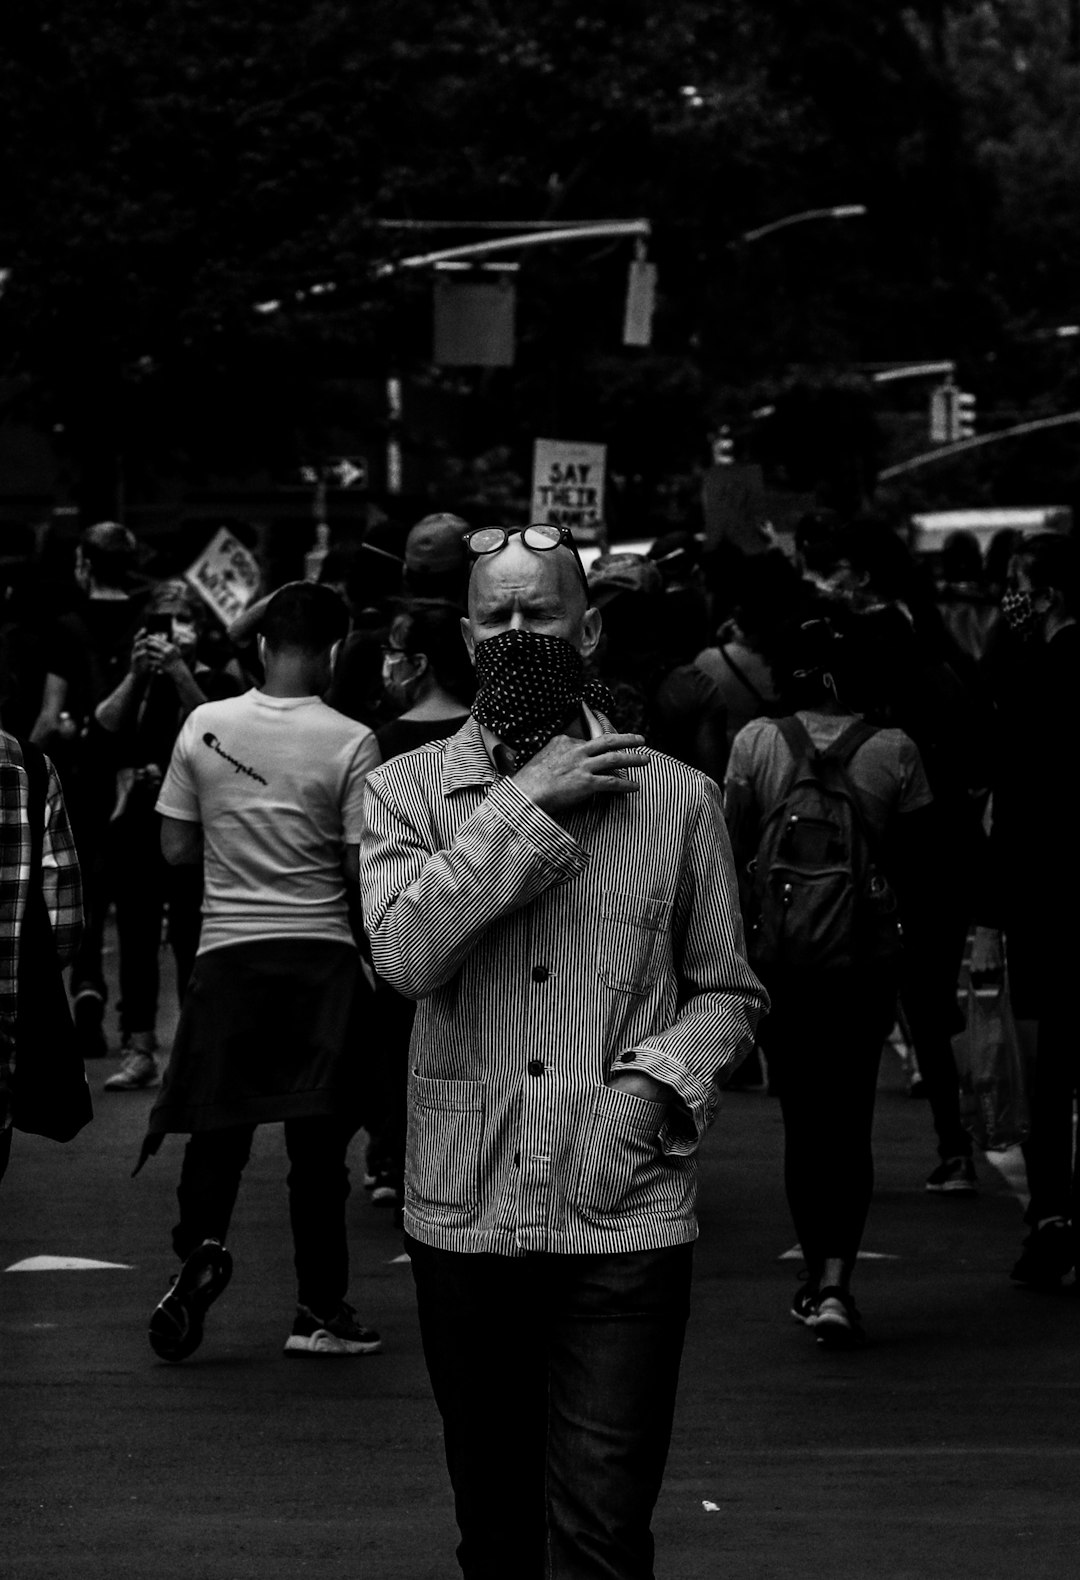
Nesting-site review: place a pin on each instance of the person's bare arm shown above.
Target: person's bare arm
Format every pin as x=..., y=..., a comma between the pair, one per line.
x=181, y=842
x=53, y=698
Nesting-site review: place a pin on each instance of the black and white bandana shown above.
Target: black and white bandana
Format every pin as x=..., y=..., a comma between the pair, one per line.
x=529, y=686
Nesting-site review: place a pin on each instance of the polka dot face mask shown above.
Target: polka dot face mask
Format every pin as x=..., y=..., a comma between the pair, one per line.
x=529, y=686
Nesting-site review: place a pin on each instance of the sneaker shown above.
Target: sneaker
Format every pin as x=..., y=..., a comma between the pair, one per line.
x=176, y=1326
x=337, y=1335
x=1048, y=1256
x=954, y=1177
x=837, y=1324
x=88, y=1013
x=804, y=1305
x=138, y=1070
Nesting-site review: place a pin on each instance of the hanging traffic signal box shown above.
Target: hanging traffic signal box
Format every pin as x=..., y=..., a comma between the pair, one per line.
x=963, y=415
x=952, y=414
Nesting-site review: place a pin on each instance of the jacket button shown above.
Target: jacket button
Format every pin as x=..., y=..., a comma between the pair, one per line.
x=540, y=973
x=536, y=1066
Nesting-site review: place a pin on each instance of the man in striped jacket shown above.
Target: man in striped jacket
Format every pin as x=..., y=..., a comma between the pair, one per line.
x=562, y=905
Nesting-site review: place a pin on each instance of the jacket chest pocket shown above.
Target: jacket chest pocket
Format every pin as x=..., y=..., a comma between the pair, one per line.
x=633, y=942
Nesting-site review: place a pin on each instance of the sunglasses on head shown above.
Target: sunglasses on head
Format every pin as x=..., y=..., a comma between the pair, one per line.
x=538, y=535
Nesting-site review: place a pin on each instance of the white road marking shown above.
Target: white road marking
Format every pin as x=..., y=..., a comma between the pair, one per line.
x=795, y=1255
x=395, y=1260
x=64, y=1264
x=710, y=1508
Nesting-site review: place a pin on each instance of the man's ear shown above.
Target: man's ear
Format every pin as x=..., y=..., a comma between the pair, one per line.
x=467, y=637
x=260, y=648
x=591, y=625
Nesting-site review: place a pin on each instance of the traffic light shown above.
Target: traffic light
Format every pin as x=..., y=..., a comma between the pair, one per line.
x=723, y=447
x=942, y=408
x=952, y=414
x=963, y=425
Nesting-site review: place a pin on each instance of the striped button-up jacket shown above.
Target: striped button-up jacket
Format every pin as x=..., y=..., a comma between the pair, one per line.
x=544, y=956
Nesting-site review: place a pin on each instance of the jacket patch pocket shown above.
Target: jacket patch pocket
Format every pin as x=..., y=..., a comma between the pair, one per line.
x=446, y=1121
x=633, y=940
x=620, y=1163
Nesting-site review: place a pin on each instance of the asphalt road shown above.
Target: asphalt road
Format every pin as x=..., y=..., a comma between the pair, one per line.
x=947, y=1447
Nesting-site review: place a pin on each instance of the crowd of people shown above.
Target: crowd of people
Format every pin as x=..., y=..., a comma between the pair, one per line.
x=575, y=847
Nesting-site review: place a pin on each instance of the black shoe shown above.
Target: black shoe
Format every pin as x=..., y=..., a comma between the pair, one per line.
x=88, y=1013
x=1048, y=1256
x=954, y=1177
x=176, y=1326
x=837, y=1324
x=340, y=1334
x=804, y=1305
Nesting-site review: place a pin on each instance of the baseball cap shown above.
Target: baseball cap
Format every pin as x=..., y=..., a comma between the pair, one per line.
x=612, y=574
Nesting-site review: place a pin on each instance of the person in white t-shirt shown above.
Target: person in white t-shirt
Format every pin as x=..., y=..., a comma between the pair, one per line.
x=266, y=790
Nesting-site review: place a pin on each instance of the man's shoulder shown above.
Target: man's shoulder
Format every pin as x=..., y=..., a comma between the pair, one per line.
x=419, y=765
x=673, y=783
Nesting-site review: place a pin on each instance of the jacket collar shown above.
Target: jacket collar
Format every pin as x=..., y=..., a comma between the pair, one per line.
x=467, y=759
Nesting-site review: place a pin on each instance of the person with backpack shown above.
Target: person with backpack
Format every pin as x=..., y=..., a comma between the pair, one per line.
x=824, y=812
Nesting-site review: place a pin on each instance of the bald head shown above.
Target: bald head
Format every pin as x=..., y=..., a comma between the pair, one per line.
x=523, y=589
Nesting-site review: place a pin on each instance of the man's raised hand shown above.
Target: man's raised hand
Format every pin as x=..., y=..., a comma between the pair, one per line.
x=566, y=771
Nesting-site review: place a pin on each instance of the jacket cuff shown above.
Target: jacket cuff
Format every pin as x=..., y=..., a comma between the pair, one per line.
x=547, y=837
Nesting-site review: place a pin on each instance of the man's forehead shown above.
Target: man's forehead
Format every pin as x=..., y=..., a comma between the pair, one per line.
x=517, y=568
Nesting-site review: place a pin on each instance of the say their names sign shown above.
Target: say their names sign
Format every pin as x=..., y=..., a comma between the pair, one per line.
x=225, y=575
x=568, y=486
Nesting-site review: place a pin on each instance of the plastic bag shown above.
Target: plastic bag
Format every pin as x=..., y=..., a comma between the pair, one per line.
x=994, y=1103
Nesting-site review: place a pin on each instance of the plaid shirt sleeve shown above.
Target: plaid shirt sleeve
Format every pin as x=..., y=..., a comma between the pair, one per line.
x=61, y=881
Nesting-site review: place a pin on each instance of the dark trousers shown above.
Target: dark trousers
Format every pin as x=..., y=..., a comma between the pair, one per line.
x=318, y=1183
x=928, y=996
x=143, y=885
x=823, y=1040
x=555, y=1377
x=5, y=1151
x=1052, y=1161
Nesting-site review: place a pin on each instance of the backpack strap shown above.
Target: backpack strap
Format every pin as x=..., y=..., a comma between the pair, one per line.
x=742, y=677
x=845, y=747
x=797, y=738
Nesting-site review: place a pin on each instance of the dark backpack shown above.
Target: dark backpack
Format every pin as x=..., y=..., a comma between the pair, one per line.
x=819, y=901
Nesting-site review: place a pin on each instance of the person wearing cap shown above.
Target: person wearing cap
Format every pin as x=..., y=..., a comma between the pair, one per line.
x=646, y=656
x=436, y=561
x=562, y=906
x=87, y=659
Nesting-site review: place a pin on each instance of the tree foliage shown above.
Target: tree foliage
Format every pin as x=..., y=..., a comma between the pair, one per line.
x=173, y=164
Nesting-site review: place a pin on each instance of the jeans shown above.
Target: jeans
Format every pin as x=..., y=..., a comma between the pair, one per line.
x=823, y=1039
x=318, y=1184
x=555, y=1377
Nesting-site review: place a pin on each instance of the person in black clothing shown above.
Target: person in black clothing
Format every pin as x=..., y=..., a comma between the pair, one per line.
x=87, y=655
x=426, y=671
x=141, y=718
x=918, y=680
x=1037, y=864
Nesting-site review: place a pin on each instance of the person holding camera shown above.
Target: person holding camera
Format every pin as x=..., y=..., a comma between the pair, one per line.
x=164, y=682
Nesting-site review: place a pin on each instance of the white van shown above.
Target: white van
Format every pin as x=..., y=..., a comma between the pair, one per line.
x=929, y=530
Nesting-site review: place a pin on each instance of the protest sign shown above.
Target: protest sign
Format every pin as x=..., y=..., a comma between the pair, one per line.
x=225, y=575
x=568, y=486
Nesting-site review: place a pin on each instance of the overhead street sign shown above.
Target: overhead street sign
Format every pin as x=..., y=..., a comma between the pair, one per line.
x=344, y=471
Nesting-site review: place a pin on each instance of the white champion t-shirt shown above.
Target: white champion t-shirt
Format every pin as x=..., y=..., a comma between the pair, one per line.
x=277, y=784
